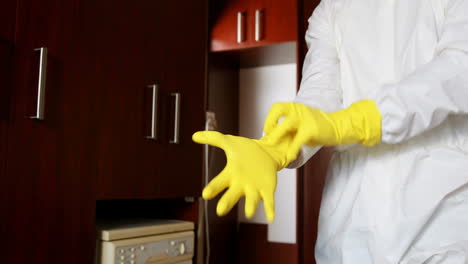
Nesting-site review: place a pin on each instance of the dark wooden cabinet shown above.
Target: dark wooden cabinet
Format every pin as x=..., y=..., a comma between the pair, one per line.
x=7, y=26
x=102, y=60
x=127, y=62
x=142, y=49
x=184, y=75
x=50, y=203
x=240, y=24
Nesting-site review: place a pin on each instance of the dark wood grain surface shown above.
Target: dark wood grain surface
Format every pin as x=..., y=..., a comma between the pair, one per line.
x=7, y=26
x=50, y=201
x=315, y=172
x=185, y=46
x=91, y=145
x=124, y=38
x=254, y=248
x=136, y=46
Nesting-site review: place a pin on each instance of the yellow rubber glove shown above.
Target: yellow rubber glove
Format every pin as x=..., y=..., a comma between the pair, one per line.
x=359, y=123
x=250, y=170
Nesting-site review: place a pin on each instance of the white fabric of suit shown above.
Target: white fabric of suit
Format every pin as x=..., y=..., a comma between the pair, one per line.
x=404, y=200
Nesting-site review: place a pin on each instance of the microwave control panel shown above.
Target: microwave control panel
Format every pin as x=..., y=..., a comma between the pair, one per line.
x=167, y=248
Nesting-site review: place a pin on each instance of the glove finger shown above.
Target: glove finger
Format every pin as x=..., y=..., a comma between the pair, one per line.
x=276, y=112
x=251, y=203
x=212, y=138
x=286, y=127
x=295, y=147
x=269, y=204
x=217, y=185
x=227, y=202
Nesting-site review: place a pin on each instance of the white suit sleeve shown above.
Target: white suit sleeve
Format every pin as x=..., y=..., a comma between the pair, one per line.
x=320, y=75
x=425, y=98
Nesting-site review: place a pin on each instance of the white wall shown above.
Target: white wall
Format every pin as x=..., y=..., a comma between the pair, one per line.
x=259, y=88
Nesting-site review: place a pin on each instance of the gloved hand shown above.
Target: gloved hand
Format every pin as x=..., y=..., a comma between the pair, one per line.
x=359, y=123
x=250, y=170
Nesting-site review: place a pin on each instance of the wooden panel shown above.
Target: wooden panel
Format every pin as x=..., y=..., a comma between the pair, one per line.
x=224, y=24
x=7, y=19
x=127, y=52
x=6, y=56
x=131, y=166
x=51, y=198
x=184, y=59
x=315, y=172
x=155, y=209
x=278, y=22
x=7, y=26
x=50, y=201
x=7, y=22
x=253, y=247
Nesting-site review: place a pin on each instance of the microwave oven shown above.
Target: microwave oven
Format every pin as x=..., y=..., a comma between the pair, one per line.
x=145, y=242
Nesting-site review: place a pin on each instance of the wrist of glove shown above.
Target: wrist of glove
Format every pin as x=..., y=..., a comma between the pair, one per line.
x=277, y=150
x=359, y=123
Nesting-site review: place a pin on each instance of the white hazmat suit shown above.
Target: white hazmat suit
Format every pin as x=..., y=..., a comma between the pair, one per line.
x=404, y=200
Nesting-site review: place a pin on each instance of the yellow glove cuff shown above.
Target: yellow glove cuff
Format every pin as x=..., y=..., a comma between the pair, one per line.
x=361, y=122
x=277, y=151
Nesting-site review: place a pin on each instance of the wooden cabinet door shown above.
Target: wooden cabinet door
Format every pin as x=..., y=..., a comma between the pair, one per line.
x=263, y=22
x=185, y=52
x=228, y=30
x=126, y=41
x=49, y=191
x=275, y=21
x=7, y=26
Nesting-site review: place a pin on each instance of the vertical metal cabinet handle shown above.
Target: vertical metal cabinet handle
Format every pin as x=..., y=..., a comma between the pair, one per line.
x=41, y=84
x=177, y=97
x=154, y=113
x=240, y=27
x=258, y=25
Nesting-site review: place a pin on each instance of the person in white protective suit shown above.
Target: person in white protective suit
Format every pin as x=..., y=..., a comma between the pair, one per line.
x=391, y=75
x=404, y=200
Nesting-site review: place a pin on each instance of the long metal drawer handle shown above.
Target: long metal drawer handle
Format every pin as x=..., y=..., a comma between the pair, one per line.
x=177, y=97
x=154, y=111
x=258, y=26
x=41, y=87
x=240, y=27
